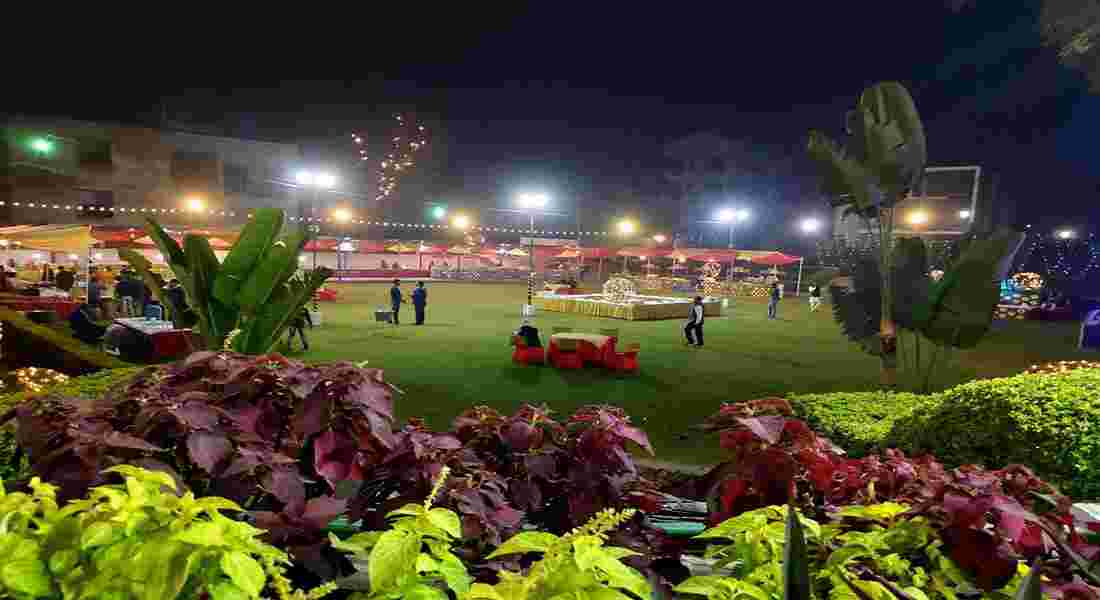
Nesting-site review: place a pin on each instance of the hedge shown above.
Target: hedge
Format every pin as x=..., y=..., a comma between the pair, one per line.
x=858, y=422
x=1049, y=422
x=27, y=343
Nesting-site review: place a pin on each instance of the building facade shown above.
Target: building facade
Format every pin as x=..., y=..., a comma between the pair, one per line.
x=63, y=171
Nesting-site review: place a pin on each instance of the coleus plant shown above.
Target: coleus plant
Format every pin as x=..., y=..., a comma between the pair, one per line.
x=272, y=434
x=989, y=519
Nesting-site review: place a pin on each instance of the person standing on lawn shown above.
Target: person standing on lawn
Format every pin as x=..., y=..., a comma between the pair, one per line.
x=420, y=300
x=773, y=300
x=695, y=324
x=395, y=300
x=815, y=298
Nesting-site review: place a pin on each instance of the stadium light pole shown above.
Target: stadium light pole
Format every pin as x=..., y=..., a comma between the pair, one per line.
x=317, y=181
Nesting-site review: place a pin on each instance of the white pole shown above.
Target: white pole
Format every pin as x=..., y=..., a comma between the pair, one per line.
x=798, y=286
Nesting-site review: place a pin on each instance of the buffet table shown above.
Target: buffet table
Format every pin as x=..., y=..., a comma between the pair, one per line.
x=167, y=341
x=638, y=308
x=63, y=308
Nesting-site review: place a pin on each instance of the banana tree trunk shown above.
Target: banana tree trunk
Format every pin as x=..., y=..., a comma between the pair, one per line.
x=888, y=331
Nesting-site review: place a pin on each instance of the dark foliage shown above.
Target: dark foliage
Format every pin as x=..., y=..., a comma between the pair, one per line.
x=270, y=433
x=988, y=519
x=857, y=304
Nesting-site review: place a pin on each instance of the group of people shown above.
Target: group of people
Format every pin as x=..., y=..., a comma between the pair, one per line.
x=419, y=301
x=693, y=330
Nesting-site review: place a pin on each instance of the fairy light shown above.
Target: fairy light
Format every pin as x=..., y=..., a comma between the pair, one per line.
x=403, y=140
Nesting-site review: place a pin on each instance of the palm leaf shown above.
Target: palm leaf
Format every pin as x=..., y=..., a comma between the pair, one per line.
x=911, y=282
x=252, y=245
x=890, y=133
x=844, y=179
x=857, y=304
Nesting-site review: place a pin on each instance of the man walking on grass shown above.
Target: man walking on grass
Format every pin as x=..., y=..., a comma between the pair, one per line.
x=773, y=300
x=695, y=323
x=815, y=298
x=395, y=300
x=420, y=300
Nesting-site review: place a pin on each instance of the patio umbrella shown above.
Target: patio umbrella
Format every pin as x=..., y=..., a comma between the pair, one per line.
x=517, y=252
x=776, y=259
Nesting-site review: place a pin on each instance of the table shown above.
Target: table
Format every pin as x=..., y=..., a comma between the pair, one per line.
x=63, y=308
x=593, y=347
x=168, y=342
x=595, y=306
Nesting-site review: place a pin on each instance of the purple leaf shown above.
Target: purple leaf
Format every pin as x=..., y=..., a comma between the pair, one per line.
x=768, y=428
x=334, y=456
x=371, y=395
x=198, y=358
x=542, y=465
x=321, y=511
x=520, y=436
x=116, y=439
x=303, y=381
x=313, y=414
x=635, y=435
x=507, y=517
x=208, y=449
x=287, y=486
x=195, y=412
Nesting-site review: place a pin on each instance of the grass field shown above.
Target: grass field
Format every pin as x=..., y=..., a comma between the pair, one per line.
x=461, y=358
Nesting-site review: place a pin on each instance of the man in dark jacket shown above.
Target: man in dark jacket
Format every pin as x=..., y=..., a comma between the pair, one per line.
x=420, y=300
x=65, y=279
x=84, y=327
x=695, y=323
x=299, y=325
x=395, y=300
x=773, y=300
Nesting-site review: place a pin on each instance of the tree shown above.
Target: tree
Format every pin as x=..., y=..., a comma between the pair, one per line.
x=882, y=163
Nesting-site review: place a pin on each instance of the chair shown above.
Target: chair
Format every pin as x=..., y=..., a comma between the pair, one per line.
x=525, y=354
x=627, y=360
x=561, y=330
x=567, y=356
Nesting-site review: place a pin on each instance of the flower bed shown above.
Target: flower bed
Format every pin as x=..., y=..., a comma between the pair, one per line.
x=500, y=506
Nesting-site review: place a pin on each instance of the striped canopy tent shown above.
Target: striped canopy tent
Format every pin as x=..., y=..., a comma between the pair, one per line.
x=215, y=243
x=402, y=248
x=425, y=248
x=517, y=252
x=712, y=255
x=52, y=238
x=642, y=252
x=774, y=259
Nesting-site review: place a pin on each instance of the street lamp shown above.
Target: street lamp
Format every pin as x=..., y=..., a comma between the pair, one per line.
x=731, y=217
x=317, y=181
x=439, y=212
x=810, y=225
x=195, y=204
x=341, y=215
x=660, y=239
x=918, y=217
x=964, y=214
x=1066, y=234
x=626, y=227
x=461, y=221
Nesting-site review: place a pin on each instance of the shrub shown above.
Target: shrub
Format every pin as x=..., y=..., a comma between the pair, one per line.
x=133, y=540
x=856, y=421
x=1050, y=422
x=53, y=348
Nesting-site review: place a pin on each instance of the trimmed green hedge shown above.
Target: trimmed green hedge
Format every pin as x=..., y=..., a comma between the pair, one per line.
x=1049, y=422
x=858, y=422
x=26, y=342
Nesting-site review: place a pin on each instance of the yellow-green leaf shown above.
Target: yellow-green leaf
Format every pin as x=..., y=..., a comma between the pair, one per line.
x=63, y=560
x=446, y=520
x=203, y=533
x=527, y=541
x=394, y=553
x=410, y=510
x=227, y=591
x=97, y=534
x=244, y=571
x=483, y=591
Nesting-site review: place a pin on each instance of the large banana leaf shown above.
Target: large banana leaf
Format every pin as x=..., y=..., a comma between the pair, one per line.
x=255, y=239
x=168, y=246
x=202, y=271
x=911, y=281
x=281, y=259
x=263, y=330
x=961, y=306
x=857, y=305
x=844, y=179
x=890, y=135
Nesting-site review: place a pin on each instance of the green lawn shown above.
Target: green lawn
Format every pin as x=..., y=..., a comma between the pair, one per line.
x=461, y=357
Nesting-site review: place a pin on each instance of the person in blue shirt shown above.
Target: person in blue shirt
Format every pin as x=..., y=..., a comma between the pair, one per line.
x=395, y=300
x=774, y=296
x=420, y=300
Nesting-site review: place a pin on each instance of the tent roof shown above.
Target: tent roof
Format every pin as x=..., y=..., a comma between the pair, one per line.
x=53, y=238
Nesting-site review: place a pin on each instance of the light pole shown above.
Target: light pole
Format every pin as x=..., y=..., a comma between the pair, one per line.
x=194, y=205
x=731, y=217
x=626, y=228
x=316, y=181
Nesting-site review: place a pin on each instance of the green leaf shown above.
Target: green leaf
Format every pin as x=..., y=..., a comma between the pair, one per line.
x=875, y=512
x=253, y=243
x=890, y=133
x=706, y=585
x=166, y=567
x=62, y=561
x=620, y=553
x=844, y=179
x=527, y=541
x=394, y=553
x=421, y=591
x=454, y=573
x=26, y=576
x=98, y=534
x=730, y=528
x=446, y=520
x=607, y=594
x=225, y=590
x=203, y=533
x=1029, y=589
x=267, y=273
x=411, y=510
x=359, y=543
x=840, y=556
x=483, y=591
x=623, y=577
x=796, y=567
x=244, y=571
x=586, y=551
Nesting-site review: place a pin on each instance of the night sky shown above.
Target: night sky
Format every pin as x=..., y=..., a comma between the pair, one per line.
x=581, y=98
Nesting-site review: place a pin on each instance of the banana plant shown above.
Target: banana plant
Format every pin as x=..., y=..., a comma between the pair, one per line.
x=257, y=290
x=882, y=163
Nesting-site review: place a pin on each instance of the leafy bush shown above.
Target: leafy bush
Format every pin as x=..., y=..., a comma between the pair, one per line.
x=986, y=518
x=26, y=342
x=1049, y=422
x=257, y=430
x=857, y=421
x=134, y=540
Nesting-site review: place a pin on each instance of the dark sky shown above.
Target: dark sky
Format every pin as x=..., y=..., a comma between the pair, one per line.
x=581, y=97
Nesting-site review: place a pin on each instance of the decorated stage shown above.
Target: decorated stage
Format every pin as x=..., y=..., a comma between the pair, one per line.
x=634, y=308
